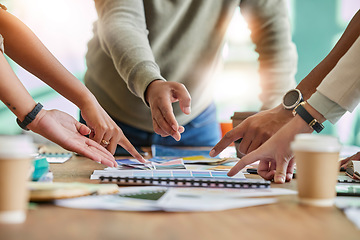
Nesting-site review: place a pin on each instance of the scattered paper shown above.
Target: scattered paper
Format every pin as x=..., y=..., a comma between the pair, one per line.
x=351, y=208
x=348, y=150
x=180, y=201
x=55, y=157
x=174, y=164
x=175, y=199
x=353, y=214
x=171, y=151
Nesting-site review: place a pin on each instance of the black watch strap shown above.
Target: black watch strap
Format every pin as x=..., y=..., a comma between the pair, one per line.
x=30, y=117
x=306, y=116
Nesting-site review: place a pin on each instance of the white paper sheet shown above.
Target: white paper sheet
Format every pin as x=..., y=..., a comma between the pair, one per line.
x=177, y=199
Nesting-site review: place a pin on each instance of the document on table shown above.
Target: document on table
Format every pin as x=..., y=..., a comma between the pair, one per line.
x=205, y=199
x=351, y=208
x=175, y=199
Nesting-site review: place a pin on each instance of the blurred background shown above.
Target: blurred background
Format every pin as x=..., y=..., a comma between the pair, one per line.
x=65, y=27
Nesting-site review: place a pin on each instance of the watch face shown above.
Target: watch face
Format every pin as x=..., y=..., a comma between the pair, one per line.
x=292, y=98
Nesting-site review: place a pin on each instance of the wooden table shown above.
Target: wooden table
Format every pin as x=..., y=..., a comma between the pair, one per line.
x=283, y=220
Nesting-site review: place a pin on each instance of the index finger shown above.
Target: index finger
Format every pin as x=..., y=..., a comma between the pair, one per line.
x=125, y=143
x=246, y=160
x=184, y=98
x=229, y=137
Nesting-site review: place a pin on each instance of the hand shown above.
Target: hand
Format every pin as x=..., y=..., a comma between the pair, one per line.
x=160, y=95
x=104, y=129
x=345, y=161
x=65, y=131
x=276, y=160
x=254, y=130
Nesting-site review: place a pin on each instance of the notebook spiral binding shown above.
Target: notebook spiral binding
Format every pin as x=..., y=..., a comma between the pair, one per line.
x=188, y=182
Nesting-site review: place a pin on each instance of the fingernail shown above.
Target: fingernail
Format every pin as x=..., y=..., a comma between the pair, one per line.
x=176, y=137
x=279, y=179
x=212, y=153
x=289, y=176
x=174, y=128
x=187, y=110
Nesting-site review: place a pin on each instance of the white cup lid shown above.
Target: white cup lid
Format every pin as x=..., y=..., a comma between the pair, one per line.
x=315, y=143
x=16, y=146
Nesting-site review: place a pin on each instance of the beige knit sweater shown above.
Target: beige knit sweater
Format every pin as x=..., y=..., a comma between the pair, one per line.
x=136, y=42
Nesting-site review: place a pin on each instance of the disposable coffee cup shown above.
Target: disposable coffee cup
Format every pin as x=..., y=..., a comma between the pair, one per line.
x=317, y=168
x=15, y=162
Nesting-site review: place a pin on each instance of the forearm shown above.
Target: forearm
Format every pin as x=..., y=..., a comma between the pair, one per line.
x=309, y=84
x=27, y=50
x=12, y=93
x=297, y=125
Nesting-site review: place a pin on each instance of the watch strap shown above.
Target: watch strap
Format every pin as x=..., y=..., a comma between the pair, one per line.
x=29, y=117
x=308, y=118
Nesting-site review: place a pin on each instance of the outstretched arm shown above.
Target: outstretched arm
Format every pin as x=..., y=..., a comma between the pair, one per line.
x=258, y=128
x=57, y=126
x=27, y=50
x=337, y=93
x=123, y=35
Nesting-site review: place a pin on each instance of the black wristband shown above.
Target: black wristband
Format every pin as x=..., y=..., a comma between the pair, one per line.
x=306, y=116
x=30, y=117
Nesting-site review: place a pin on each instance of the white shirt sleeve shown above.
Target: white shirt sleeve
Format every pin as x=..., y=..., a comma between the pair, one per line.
x=329, y=109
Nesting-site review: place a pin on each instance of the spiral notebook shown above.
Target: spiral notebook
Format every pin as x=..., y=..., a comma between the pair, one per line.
x=179, y=178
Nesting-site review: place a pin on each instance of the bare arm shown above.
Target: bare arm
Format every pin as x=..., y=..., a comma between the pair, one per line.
x=309, y=84
x=27, y=50
x=57, y=126
x=260, y=127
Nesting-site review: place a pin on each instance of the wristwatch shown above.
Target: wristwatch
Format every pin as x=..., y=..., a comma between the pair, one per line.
x=292, y=98
x=307, y=117
x=30, y=117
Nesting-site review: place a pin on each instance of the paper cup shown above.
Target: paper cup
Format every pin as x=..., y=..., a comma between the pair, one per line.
x=317, y=167
x=15, y=162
